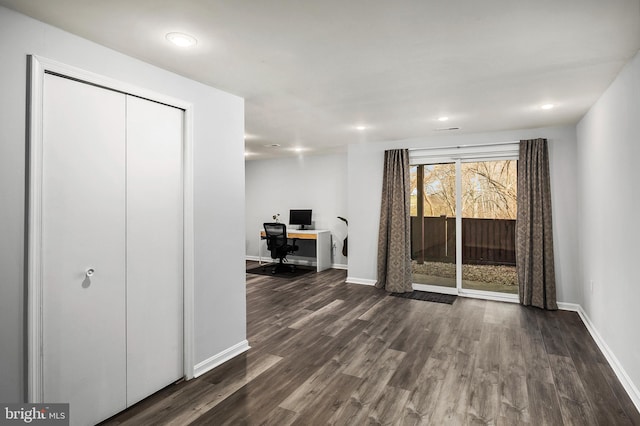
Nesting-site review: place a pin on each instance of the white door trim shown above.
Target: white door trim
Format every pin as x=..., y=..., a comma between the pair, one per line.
x=38, y=66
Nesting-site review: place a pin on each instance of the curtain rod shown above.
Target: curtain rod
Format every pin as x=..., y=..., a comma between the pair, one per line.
x=464, y=146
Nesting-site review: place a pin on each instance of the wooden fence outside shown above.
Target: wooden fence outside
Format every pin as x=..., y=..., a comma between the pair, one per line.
x=484, y=241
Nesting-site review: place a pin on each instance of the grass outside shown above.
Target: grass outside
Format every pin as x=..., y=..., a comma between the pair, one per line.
x=498, y=278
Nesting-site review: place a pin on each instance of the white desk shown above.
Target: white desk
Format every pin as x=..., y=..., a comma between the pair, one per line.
x=322, y=238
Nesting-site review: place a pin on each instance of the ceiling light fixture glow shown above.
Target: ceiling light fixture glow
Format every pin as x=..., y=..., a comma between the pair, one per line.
x=547, y=106
x=181, y=39
x=443, y=118
x=361, y=127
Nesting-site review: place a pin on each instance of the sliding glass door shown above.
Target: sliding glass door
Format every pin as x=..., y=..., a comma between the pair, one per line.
x=489, y=226
x=433, y=225
x=463, y=214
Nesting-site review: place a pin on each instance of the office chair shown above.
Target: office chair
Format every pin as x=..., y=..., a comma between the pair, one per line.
x=278, y=244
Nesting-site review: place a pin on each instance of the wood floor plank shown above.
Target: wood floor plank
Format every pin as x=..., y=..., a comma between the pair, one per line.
x=329, y=400
x=621, y=395
x=154, y=403
x=255, y=401
x=425, y=396
x=552, y=334
x=389, y=407
x=536, y=359
x=574, y=403
x=605, y=404
x=579, y=342
x=351, y=312
x=406, y=375
x=226, y=385
x=453, y=400
x=358, y=361
x=298, y=340
x=544, y=403
x=504, y=314
x=313, y=316
x=164, y=410
x=514, y=401
x=308, y=392
x=323, y=351
x=418, y=409
x=356, y=410
x=373, y=312
x=279, y=416
x=484, y=399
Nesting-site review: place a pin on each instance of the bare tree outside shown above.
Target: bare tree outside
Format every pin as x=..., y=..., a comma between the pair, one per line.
x=489, y=190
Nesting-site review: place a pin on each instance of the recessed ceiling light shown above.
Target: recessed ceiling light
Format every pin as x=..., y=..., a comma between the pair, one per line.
x=547, y=106
x=443, y=118
x=361, y=127
x=181, y=39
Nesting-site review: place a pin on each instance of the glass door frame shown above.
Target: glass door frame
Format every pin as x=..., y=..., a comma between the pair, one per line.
x=434, y=288
x=459, y=290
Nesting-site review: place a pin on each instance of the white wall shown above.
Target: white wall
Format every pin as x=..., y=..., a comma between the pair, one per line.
x=220, y=320
x=315, y=182
x=609, y=205
x=365, y=165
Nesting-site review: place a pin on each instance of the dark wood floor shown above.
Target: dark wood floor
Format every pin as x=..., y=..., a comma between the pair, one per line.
x=328, y=352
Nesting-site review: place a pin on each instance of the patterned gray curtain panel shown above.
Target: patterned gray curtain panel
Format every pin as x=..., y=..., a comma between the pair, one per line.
x=394, y=241
x=534, y=234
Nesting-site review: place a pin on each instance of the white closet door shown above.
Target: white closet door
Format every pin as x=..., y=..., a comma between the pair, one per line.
x=154, y=247
x=83, y=206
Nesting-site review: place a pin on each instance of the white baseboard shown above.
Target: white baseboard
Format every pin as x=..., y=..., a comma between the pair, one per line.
x=363, y=281
x=621, y=374
x=573, y=307
x=220, y=358
x=339, y=266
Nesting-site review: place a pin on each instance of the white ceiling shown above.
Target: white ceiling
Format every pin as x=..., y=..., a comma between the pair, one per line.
x=311, y=71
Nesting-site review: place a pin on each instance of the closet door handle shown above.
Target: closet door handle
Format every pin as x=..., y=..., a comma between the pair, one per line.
x=90, y=272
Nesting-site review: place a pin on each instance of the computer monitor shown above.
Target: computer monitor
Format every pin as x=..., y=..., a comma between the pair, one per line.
x=300, y=217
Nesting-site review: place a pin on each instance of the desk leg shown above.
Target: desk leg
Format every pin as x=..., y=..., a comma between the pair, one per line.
x=323, y=251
